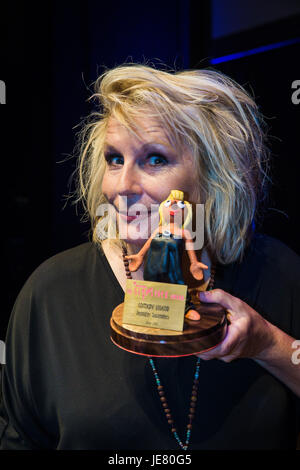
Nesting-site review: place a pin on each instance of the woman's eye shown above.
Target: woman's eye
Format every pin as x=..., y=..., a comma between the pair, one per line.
x=114, y=160
x=157, y=160
x=152, y=160
x=167, y=203
x=181, y=204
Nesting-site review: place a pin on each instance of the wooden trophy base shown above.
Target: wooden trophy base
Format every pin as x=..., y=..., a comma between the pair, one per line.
x=196, y=337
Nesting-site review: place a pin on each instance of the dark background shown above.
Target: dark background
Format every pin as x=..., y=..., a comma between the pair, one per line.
x=50, y=54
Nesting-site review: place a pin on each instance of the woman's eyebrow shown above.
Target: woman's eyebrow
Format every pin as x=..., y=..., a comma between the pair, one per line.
x=110, y=148
x=146, y=146
x=156, y=143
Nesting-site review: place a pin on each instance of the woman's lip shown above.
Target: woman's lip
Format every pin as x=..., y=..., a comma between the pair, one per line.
x=129, y=218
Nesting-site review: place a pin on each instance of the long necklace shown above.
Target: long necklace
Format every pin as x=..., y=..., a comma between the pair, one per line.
x=194, y=394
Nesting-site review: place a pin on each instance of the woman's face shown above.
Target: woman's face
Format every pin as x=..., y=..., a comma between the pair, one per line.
x=141, y=171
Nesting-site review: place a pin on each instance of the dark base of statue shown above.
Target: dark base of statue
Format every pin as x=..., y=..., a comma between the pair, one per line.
x=197, y=335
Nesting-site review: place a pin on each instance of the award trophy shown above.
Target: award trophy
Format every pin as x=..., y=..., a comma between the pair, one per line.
x=159, y=317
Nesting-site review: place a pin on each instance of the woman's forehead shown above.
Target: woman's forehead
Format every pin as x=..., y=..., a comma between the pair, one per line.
x=142, y=131
x=142, y=127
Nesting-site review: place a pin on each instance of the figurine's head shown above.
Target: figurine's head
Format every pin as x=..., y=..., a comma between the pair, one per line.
x=175, y=209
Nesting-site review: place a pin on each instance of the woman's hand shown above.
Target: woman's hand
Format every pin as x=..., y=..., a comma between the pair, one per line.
x=196, y=269
x=136, y=261
x=248, y=333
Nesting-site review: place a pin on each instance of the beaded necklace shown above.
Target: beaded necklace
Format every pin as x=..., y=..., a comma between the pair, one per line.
x=160, y=388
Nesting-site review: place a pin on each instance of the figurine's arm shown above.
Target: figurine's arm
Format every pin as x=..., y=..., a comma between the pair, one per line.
x=196, y=266
x=138, y=258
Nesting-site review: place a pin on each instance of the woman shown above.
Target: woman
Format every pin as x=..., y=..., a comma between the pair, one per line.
x=65, y=385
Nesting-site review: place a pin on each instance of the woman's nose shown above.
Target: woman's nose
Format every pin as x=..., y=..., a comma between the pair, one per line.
x=129, y=182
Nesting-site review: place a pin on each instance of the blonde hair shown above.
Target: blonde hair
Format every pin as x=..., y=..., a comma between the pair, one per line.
x=203, y=111
x=179, y=195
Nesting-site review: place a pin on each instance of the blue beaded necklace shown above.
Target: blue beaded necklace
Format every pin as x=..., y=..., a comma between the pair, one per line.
x=167, y=411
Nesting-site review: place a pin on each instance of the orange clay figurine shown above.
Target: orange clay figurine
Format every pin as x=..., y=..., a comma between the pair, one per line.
x=164, y=248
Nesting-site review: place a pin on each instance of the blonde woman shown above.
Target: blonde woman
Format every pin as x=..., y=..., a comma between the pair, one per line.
x=65, y=385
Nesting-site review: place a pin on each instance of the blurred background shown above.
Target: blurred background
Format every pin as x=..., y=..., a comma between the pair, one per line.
x=52, y=53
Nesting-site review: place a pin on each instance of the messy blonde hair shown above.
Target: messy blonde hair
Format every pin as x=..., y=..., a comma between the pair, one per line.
x=203, y=111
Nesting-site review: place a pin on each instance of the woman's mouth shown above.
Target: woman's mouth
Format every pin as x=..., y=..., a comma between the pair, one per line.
x=129, y=217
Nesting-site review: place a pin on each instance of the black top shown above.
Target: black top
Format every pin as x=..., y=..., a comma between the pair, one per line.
x=67, y=386
x=163, y=259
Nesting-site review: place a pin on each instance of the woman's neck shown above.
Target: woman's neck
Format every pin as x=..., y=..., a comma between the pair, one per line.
x=134, y=248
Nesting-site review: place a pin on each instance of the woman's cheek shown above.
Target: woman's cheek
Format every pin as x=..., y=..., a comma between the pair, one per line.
x=107, y=187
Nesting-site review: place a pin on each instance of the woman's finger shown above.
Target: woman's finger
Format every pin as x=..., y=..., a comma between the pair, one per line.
x=221, y=297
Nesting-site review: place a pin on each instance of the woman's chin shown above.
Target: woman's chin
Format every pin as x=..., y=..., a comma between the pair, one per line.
x=134, y=233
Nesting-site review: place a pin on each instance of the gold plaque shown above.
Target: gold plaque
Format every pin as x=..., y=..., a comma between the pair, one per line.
x=154, y=304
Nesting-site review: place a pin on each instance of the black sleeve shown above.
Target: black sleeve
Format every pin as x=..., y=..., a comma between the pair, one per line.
x=20, y=428
x=9, y=438
x=269, y=281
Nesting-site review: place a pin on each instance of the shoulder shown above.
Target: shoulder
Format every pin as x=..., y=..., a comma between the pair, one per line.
x=64, y=269
x=61, y=284
x=275, y=256
x=65, y=262
x=272, y=284
x=272, y=247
